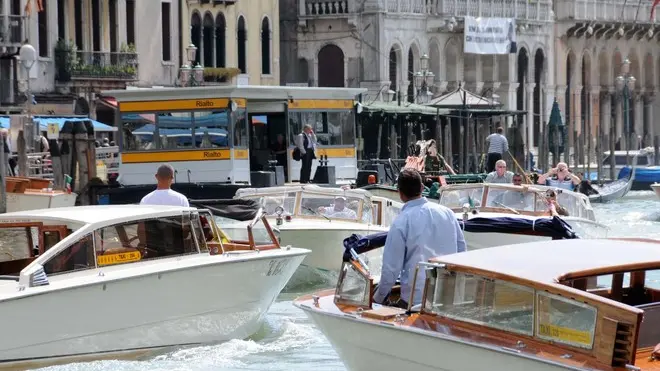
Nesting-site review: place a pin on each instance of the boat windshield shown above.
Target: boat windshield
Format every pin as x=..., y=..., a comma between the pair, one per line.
x=510, y=307
x=341, y=207
x=272, y=203
x=528, y=199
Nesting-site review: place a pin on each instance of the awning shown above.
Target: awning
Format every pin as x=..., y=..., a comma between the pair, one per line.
x=98, y=126
x=394, y=107
x=4, y=122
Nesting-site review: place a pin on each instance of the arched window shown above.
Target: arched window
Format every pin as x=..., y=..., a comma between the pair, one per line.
x=196, y=34
x=265, y=47
x=220, y=43
x=207, y=40
x=241, y=36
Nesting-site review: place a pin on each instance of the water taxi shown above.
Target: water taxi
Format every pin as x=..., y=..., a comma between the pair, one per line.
x=556, y=305
x=524, y=203
x=309, y=216
x=131, y=278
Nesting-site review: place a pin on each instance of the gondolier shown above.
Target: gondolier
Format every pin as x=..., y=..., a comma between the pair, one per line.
x=497, y=146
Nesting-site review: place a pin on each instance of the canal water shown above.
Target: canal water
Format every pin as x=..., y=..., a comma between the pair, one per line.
x=288, y=340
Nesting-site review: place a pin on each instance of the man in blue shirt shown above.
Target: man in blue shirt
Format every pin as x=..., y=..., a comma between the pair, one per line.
x=421, y=231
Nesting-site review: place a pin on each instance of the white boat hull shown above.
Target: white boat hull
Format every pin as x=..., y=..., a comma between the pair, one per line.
x=656, y=188
x=34, y=201
x=327, y=245
x=189, y=300
x=386, y=347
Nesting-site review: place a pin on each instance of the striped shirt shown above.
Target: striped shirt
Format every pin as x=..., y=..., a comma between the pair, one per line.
x=498, y=143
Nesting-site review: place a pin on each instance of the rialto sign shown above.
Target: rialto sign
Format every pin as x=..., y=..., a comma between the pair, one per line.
x=490, y=35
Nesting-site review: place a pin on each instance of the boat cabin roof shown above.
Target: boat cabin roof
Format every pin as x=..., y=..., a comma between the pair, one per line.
x=104, y=215
x=551, y=262
x=311, y=188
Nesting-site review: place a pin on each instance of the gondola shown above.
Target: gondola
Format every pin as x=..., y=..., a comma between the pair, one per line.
x=613, y=190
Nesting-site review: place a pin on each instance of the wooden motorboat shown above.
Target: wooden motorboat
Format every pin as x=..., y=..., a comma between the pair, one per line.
x=556, y=305
x=32, y=193
x=305, y=216
x=173, y=265
x=491, y=200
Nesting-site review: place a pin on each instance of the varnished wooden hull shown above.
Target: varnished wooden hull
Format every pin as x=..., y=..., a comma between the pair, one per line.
x=387, y=347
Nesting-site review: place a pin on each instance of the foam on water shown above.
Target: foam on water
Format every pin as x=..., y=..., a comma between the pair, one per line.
x=288, y=341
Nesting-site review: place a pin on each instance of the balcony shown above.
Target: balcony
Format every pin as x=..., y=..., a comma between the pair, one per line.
x=74, y=65
x=528, y=10
x=12, y=30
x=605, y=11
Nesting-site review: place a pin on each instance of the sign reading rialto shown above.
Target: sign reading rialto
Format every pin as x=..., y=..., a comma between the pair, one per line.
x=490, y=35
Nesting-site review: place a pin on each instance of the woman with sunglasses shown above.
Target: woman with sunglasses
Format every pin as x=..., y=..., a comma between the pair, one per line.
x=560, y=177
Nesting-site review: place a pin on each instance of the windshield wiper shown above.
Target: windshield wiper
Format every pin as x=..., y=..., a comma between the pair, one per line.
x=316, y=212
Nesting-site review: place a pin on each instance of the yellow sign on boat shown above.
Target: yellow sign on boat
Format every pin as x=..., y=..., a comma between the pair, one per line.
x=118, y=258
x=565, y=334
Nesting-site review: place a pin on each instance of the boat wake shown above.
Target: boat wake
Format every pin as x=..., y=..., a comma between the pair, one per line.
x=280, y=337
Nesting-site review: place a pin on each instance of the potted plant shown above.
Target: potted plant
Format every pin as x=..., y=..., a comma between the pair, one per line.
x=66, y=60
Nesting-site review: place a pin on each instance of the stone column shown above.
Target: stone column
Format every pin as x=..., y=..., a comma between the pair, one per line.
x=619, y=119
x=605, y=114
x=215, y=50
x=529, y=120
x=574, y=122
x=649, y=129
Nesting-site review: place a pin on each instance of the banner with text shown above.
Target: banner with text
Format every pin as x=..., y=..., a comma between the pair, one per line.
x=490, y=35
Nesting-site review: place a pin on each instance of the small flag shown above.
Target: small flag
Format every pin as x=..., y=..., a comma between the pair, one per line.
x=655, y=3
x=67, y=183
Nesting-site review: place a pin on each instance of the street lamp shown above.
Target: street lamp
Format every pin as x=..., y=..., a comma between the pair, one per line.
x=189, y=76
x=625, y=84
x=28, y=56
x=424, y=79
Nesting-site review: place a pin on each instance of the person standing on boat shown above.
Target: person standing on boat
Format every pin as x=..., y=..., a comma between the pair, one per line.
x=560, y=177
x=306, y=143
x=422, y=230
x=500, y=175
x=164, y=195
x=497, y=146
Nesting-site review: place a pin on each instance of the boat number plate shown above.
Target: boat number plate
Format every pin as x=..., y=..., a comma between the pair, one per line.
x=275, y=267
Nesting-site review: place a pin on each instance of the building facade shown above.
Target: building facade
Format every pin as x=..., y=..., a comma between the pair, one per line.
x=236, y=35
x=571, y=51
x=85, y=46
x=597, y=44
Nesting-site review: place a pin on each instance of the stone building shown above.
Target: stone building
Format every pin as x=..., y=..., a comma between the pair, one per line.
x=236, y=34
x=85, y=46
x=568, y=50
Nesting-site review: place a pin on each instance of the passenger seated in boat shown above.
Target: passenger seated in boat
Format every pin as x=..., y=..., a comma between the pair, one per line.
x=500, y=175
x=519, y=199
x=553, y=206
x=338, y=210
x=560, y=177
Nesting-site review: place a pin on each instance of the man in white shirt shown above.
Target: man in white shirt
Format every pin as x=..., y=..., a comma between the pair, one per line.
x=164, y=195
x=339, y=210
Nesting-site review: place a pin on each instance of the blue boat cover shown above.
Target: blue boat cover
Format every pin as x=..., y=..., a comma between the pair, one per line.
x=648, y=174
x=554, y=227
